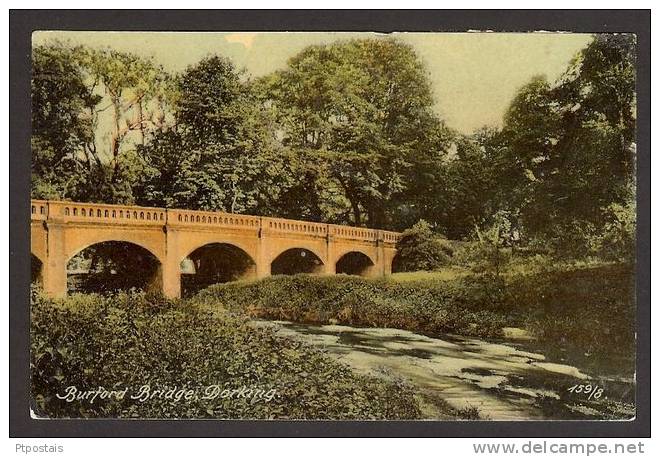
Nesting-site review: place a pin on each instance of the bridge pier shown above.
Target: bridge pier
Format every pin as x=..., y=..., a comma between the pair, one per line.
x=170, y=267
x=262, y=258
x=330, y=267
x=171, y=274
x=54, y=268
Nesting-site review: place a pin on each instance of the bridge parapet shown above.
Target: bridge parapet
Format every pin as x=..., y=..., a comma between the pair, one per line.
x=137, y=215
x=273, y=224
x=107, y=214
x=354, y=233
x=39, y=210
x=210, y=218
x=390, y=237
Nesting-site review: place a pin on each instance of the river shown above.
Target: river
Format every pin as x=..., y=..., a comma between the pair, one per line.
x=469, y=378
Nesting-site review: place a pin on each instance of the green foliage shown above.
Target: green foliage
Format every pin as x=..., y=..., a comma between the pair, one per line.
x=133, y=340
x=420, y=249
x=568, y=147
x=427, y=306
x=90, y=106
x=491, y=253
x=221, y=155
x=462, y=190
x=589, y=309
x=483, y=257
x=60, y=131
x=357, y=108
x=619, y=237
x=346, y=133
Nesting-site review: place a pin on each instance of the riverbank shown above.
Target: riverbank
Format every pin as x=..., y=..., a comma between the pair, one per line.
x=456, y=377
x=583, y=315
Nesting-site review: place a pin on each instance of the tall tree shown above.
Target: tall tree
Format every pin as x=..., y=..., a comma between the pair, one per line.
x=360, y=106
x=219, y=155
x=569, y=146
x=60, y=127
x=136, y=97
x=86, y=104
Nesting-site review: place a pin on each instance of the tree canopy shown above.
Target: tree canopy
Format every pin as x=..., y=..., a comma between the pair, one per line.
x=348, y=133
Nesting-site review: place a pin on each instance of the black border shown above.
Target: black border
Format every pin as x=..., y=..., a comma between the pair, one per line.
x=23, y=22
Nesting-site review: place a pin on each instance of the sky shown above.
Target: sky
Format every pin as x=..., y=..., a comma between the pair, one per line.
x=474, y=75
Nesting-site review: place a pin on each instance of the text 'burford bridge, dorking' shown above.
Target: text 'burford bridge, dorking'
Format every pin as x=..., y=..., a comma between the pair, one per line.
x=61, y=229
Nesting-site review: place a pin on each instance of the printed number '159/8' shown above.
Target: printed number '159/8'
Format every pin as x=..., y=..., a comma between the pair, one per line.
x=592, y=391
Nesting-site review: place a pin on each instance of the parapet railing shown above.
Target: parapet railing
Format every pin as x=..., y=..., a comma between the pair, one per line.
x=117, y=214
x=126, y=214
x=190, y=217
x=274, y=224
x=39, y=209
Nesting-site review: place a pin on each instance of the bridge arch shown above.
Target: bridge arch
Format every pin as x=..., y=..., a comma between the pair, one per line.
x=213, y=263
x=296, y=260
x=187, y=248
x=79, y=240
x=355, y=262
x=109, y=266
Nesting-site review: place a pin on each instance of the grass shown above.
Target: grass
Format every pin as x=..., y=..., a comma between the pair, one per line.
x=445, y=274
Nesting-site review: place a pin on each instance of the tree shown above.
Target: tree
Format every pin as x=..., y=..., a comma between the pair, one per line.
x=220, y=155
x=419, y=249
x=470, y=196
x=567, y=148
x=73, y=91
x=363, y=107
x=60, y=130
x=136, y=94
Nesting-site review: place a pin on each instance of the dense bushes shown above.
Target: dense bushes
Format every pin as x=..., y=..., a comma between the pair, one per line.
x=420, y=249
x=591, y=308
x=472, y=307
x=130, y=341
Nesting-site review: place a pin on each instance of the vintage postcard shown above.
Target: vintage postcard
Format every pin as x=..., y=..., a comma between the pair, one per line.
x=333, y=226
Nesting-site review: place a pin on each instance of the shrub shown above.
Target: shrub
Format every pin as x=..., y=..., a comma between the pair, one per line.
x=611, y=239
x=131, y=340
x=618, y=240
x=468, y=306
x=420, y=249
x=483, y=257
x=591, y=308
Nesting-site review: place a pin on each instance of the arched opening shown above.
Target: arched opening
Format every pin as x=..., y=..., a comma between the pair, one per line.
x=355, y=263
x=36, y=270
x=397, y=264
x=296, y=260
x=212, y=264
x=113, y=266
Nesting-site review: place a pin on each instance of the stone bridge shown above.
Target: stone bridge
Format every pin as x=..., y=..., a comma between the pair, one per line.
x=60, y=230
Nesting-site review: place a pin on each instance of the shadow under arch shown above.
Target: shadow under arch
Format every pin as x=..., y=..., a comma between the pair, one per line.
x=355, y=263
x=397, y=264
x=215, y=263
x=112, y=266
x=36, y=270
x=296, y=260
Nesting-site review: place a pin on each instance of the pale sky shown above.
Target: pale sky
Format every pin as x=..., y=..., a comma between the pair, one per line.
x=474, y=75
